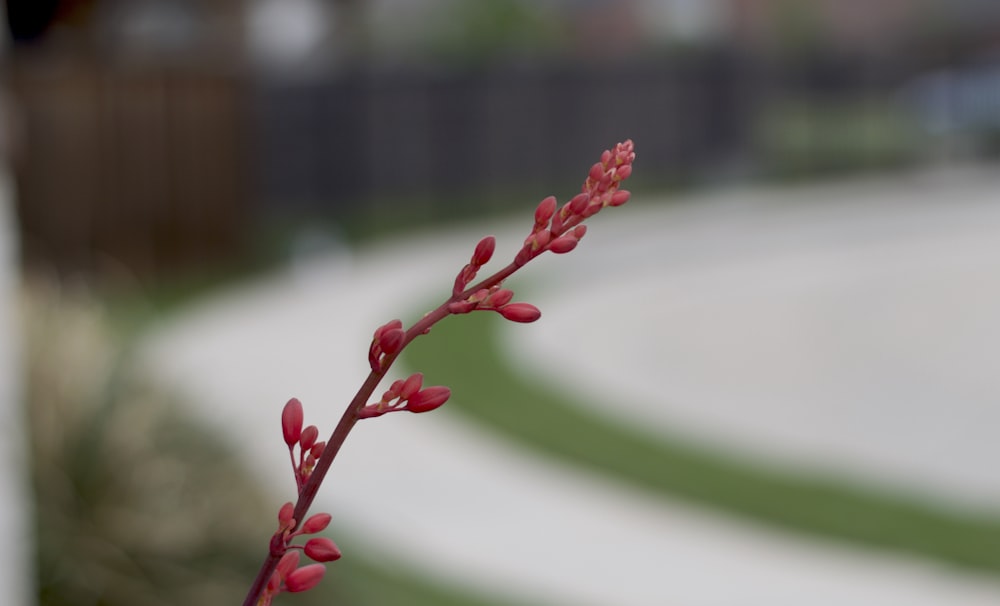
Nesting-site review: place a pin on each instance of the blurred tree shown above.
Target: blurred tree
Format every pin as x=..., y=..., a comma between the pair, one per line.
x=30, y=20
x=480, y=31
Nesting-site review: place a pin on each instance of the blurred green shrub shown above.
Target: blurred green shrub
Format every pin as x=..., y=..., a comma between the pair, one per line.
x=802, y=138
x=135, y=504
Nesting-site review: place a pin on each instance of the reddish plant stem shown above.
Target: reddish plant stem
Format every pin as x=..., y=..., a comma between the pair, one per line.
x=601, y=189
x=308, y=491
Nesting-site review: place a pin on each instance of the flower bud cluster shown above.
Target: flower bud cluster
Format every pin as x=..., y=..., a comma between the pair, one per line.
x=290, y=577
x=305, y=439
x=496, y=299
x=388, y=341
x=406, y=394
x=560, y=231
x=481, y=256
x=556, y=229
x=323, y=548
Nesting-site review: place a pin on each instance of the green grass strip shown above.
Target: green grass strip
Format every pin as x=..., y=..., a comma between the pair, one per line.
x=463, y=354
x=360, y=580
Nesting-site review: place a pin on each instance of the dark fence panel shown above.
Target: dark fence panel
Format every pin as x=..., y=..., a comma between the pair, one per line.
x=143, y=168
x=421, y=133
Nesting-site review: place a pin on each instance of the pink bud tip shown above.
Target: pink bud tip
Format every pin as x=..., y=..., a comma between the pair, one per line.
x=461, y=307
x=285, y=514
x=563, y=245
x=291, y=421
x=392, y=340
x=484, y=251
x=520, y=312
x=287, y=563
x=501, y=297
x=316, y=523
x=308, y=437
x=411, y=385
x=390, y=325
x=541, y=239
x=393, y=392
x=619, y=197
x=579, y=202
x=428, y=399
x=322, y=549
x=545, y=211
x=305, y=578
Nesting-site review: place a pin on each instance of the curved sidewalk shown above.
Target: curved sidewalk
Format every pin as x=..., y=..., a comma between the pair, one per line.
x=851, y=328
x=456, y=503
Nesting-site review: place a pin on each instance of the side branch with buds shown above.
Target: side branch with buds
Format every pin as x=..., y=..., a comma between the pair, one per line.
x=556, y=229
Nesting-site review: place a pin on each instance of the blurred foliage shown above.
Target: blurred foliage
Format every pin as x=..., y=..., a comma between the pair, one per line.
x=475, y=32
x=800, y=29
x=807, y=138
x=135, y=503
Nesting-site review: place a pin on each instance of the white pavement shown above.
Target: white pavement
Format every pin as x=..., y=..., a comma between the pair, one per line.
x=460, y=505
x=852, y=328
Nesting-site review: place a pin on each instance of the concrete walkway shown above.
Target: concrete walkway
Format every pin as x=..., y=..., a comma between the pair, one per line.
x=851, y=328
x=456, y=503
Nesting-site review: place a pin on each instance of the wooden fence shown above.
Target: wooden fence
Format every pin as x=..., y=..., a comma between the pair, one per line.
x=158, y=169
x=137, y=168
x=425, y=133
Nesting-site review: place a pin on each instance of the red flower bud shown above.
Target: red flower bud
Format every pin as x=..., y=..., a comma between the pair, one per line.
x=390, y=325
x=546, y=209
x=411, y=385
x=578, y=203
x=308, y=438
x=484, y=251
x=285, y=519
x=287, y=563
x=428, y=399
x=393, y=392
x=540, y=239
x=392, y=340
x=620, y=197
x=322, y=549
x=479, y=296
x=563, y=245
x=501, y=297
x=317, y=449
x=291, y=421
x=520, y=312
x=461, y=307
x=316, y=523
x=305, y=578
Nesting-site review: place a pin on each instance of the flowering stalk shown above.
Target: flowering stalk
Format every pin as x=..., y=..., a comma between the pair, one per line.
x=556, y=229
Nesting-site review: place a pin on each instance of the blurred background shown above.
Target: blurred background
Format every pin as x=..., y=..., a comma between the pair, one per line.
x=176, y=128
x=153, y=150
